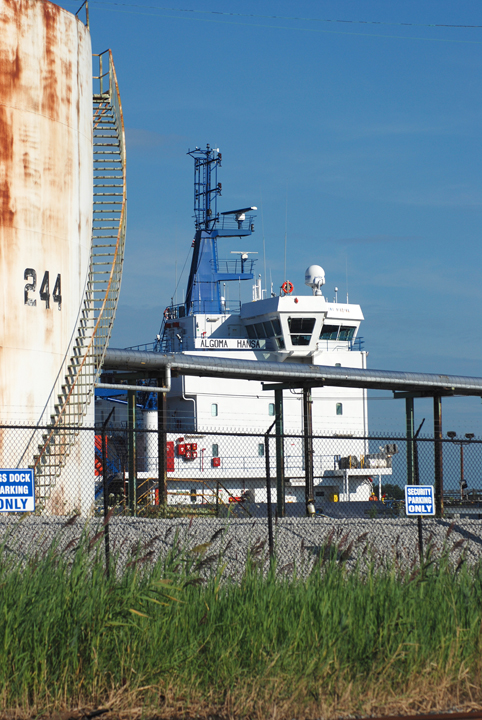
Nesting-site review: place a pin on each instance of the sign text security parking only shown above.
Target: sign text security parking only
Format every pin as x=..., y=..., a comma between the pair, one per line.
x=419, y=500
x=17, y=490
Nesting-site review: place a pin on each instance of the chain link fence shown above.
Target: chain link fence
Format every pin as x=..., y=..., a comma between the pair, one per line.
x=207, y=495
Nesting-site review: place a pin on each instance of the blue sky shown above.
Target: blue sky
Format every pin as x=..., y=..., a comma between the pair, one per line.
x=367, y=137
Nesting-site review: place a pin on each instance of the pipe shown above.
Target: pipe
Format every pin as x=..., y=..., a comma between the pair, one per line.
x=365, y=406
x=189, y=399
x=290, y=371
x=140, y=388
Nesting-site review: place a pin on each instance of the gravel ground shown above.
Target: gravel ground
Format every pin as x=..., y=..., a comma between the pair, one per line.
x=298, y=541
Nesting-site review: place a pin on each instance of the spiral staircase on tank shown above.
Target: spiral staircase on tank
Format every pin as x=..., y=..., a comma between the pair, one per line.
x=74, y=389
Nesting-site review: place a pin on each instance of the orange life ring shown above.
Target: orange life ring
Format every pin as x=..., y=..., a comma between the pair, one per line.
x=166, y=313
x=287, y=287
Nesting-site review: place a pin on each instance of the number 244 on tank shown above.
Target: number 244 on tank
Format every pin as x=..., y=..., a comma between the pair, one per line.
x=30, y=287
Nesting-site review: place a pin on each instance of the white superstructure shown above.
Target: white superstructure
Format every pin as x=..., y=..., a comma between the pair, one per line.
x=289, y=328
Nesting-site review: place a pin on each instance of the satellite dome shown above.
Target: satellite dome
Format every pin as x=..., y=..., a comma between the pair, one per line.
x=315, y=278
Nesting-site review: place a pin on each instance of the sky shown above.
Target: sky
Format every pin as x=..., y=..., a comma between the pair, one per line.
x=358, y=139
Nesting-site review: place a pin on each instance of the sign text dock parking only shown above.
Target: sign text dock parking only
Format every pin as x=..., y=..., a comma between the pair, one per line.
x=419, y=500
x=17, y=490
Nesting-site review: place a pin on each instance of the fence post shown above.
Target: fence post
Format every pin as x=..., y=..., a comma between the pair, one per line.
x=438, y=450
x=416, y=481
x=105, y=490
x=131, y=410
x=268, y=491
x=161, y=445
x=308, y=446
x=409, y=417
x=280, y=455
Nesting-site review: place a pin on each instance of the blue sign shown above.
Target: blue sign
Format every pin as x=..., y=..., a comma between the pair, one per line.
x=17, y=490
x=419, y=500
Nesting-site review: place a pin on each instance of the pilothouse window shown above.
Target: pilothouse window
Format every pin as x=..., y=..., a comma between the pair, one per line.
x=329, y=332
x=346, y=333
x=267, y=329
x=278, y=333
x=301, y=330
x=260, y=331
x=335, y=332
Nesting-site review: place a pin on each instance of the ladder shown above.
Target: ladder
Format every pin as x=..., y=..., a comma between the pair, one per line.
x=74, y=388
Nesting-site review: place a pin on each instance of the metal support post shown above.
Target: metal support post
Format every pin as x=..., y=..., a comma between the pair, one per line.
x=438, y=451
x=409, y=420
x=462, y=479
x=131, y=421
x=416, y=481
x=308, y=448
x=280, y=454
x=268, y=493
x=105, y=490
x=161, y=444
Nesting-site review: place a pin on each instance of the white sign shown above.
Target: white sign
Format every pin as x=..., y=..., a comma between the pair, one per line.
x=224, y=344
x=419, y=500
x=17, y=490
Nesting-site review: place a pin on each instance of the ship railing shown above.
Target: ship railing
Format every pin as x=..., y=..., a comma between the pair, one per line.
x=235, y=267
x=233, y=307
x=144, y=347
x=333, y=345
x=228, y=307
x=173, y=312
x=229, y=222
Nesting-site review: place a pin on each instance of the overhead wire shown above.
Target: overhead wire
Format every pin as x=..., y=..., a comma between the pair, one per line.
x=291, y=17
x=116, y=6
x=182, y=271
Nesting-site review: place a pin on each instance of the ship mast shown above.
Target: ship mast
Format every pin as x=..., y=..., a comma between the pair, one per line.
x=204, y=285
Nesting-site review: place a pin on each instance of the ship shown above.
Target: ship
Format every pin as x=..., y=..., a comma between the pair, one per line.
x=295, y=323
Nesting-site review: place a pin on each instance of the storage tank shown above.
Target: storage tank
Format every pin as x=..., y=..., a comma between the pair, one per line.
x=50, y=315
x=45, y=196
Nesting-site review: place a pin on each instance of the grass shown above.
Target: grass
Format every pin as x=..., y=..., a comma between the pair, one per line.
x=179, y=636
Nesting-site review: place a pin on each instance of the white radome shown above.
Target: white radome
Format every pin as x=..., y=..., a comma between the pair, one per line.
x=315, y=278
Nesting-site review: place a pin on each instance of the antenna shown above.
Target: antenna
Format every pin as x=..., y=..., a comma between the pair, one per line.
x=286, y=231
x=175, y=265
x=346, y=270
x=264, y=241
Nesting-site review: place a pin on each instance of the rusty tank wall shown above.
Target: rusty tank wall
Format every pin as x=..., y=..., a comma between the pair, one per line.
x=45, y=197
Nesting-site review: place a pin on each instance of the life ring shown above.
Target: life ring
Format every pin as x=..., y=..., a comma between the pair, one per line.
x=287, y=287
x=166, y=313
